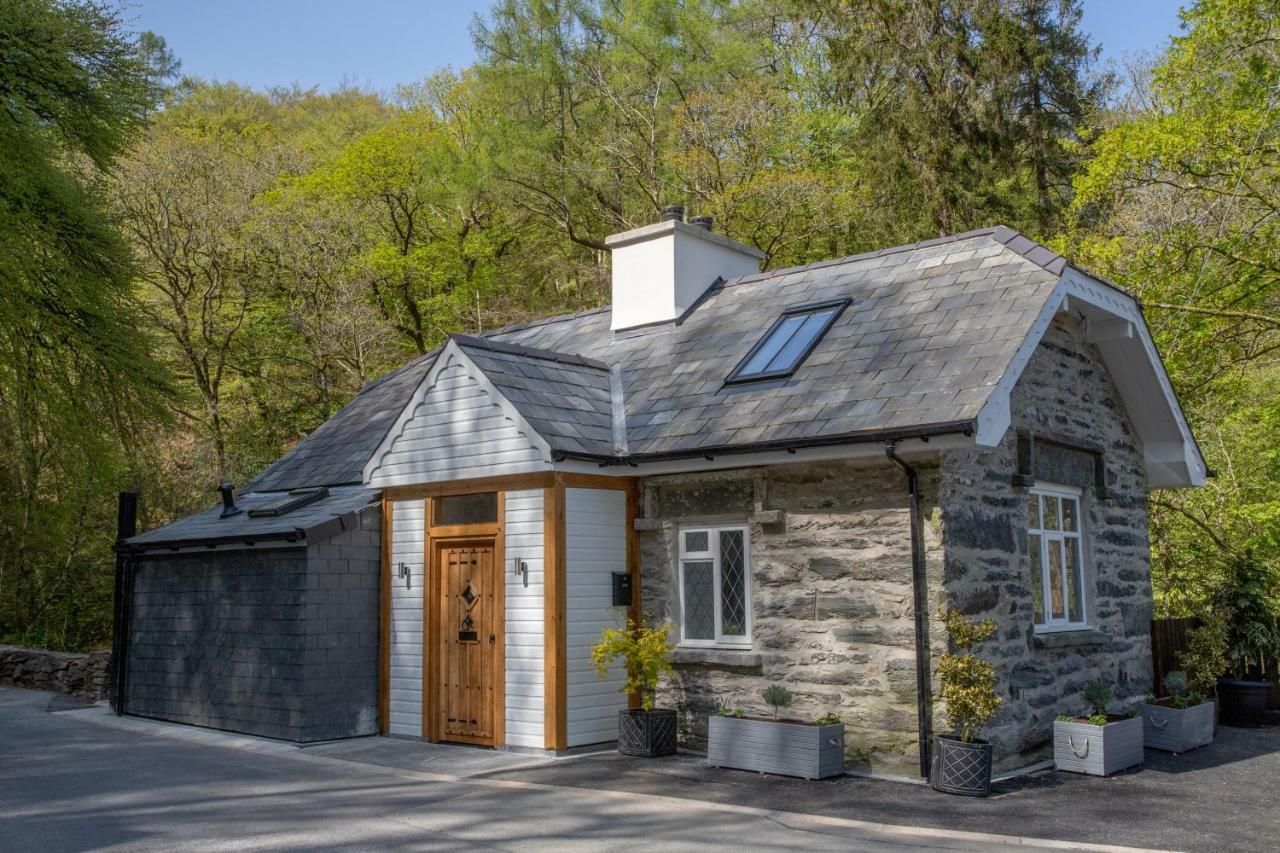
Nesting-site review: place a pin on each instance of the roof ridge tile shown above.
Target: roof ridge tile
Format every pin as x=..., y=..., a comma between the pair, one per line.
x=556, y=356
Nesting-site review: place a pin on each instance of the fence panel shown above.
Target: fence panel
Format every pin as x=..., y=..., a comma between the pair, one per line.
x=1170, y=636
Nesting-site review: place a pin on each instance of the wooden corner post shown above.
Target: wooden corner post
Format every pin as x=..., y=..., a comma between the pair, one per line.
x=384, y=626
x=555, y=660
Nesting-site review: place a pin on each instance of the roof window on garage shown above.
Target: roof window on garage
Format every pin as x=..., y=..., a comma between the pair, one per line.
x=788, y=342
x=286, y=504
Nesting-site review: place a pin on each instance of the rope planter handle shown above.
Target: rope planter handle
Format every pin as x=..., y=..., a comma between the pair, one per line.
x=1159, y=722
x=1080, y=755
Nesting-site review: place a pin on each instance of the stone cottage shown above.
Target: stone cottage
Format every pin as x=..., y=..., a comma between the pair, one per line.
x=801, y=470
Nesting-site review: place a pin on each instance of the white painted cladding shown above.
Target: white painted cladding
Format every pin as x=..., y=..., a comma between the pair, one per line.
x=407, y=546
x=456, y=427
x=524, y=629
x=595, y=548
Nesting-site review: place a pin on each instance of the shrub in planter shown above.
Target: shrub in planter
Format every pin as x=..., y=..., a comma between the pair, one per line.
x=1181, y=721
x=785, y=747
x=1097, y=743
x=1249, y=600
x=961, y=761
x=646, y=653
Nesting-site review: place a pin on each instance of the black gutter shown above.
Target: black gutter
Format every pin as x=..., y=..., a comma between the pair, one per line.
x=920, y=596
x=126, y=526
x=924, y=433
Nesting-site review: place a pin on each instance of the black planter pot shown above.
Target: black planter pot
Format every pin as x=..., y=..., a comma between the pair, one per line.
x=648, y=734
x=961, y=768
x=1244, y=702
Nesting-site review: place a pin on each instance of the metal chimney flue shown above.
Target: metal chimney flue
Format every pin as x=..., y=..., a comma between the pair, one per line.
x=673, y=213
x=703, y=222
x=229, y=507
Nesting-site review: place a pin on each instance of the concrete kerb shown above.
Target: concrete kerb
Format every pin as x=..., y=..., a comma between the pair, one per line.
x=100, y=714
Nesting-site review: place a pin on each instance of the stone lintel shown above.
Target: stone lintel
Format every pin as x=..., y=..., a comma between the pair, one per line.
x=733, y=659
x=1071, y=639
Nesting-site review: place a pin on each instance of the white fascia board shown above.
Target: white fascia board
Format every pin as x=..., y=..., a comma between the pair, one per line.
x=449, y=355
x=1116, y=326
x=995, y=417
x=912, y=447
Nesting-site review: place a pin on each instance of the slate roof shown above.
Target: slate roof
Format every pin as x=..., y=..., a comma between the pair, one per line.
x=312, y=523
x=565, y=398
x=930, y=329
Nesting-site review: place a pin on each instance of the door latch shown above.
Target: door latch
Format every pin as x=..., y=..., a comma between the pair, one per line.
x=522, y=569
x=403, y=572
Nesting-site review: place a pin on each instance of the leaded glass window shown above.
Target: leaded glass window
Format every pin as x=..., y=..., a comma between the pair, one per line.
x=715, y=586
x=1055, y=541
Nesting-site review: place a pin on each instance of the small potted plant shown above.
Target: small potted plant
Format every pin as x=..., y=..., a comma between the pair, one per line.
x=646, y=653
x=1249, y=600
x=785, y=747
x=961, y=760
x=1178, y=722
x=1097, y=743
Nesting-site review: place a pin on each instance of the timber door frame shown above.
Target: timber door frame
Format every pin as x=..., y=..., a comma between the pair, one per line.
x=432, y=677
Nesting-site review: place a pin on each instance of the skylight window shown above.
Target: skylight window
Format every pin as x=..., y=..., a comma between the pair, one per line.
x=788, y=342
x=286, y=504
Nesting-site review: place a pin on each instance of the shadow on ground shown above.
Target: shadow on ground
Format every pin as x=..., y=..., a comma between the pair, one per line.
x=1217, y=798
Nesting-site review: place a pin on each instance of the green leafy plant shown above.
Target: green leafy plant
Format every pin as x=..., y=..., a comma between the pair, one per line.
x=1097, y=719
x=777, y=696
x=827, y=720
x=646, y=653
x=1098, y=695
x=1205, y=657
x=1250, y=594
x=1181, y=696
x=968, y=682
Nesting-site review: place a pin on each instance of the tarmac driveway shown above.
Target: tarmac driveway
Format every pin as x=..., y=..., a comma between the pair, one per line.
x=1223, y=797
x=77, y=779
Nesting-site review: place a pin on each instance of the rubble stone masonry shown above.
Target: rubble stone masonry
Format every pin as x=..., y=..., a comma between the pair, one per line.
x=831, y=574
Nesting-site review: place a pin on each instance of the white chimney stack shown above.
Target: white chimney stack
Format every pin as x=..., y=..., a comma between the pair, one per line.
x=660, y=270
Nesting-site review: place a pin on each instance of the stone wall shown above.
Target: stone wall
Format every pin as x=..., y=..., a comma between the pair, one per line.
x=87, y=676
x=832, y=602
x=1065, y=394
x=278, y=642
x=831, y=565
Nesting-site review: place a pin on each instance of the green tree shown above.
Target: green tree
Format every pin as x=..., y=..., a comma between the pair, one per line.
x=1181, y=202
x=75, y=375
x=967, y=110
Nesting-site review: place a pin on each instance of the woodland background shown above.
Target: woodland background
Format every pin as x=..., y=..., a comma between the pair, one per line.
x=194, y=276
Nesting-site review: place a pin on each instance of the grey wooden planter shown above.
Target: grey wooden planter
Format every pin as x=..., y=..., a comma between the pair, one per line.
x=1175, y=730
x=788, y=749
x=1097, y=750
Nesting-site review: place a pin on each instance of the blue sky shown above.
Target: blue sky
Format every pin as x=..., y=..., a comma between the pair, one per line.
x=379, y=43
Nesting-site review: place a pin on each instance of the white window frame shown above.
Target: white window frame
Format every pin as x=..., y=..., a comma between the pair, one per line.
x=1049, y=624
x=713, y=532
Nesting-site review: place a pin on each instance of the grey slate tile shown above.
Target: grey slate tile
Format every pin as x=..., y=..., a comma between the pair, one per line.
x=942, y=309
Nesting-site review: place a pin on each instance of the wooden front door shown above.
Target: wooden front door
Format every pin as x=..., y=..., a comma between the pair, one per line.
x=471, y=624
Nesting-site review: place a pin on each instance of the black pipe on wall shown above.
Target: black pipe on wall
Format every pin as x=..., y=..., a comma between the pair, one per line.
x=126, y=526
x=920, y=596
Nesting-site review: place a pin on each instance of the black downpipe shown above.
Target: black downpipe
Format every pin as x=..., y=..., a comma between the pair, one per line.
x=920, y=594
x=126, y=526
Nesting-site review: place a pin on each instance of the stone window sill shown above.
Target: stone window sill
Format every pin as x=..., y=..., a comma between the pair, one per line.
x=1071, y=639
x=717, y=658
